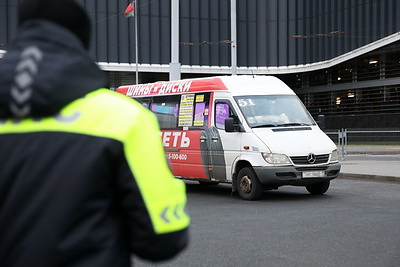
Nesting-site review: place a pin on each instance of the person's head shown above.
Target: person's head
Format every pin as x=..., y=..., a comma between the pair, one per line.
x=67, y=13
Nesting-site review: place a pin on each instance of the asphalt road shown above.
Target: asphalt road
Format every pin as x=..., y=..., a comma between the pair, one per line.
x=357, y=223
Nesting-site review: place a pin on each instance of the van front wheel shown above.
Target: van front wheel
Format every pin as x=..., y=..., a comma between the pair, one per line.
x=248, y=185
x=318, y=189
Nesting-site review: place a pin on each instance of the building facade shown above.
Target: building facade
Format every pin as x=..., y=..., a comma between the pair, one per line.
x=341, y=57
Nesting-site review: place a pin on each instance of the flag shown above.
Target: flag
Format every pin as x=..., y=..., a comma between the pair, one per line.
x=130, y=10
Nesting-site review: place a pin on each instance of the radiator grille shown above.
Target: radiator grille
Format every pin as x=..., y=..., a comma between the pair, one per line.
x=304, y=160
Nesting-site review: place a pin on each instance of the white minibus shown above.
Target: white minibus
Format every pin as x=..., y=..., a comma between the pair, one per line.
x=250, y=131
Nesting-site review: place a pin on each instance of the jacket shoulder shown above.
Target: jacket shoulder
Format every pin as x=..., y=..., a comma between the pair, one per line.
x=113, y=101
x=115, y=106
x=109, y=114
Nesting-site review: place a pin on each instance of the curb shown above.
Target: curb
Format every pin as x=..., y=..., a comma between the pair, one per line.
x=366, y=177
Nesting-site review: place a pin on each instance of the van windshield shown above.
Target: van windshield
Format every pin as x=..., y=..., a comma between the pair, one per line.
x=274, y=111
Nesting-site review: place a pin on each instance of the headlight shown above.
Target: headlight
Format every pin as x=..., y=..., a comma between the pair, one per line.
x=334, y=156
x=276, y=159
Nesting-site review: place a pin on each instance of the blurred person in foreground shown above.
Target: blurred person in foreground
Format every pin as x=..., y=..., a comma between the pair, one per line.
x=83, y=176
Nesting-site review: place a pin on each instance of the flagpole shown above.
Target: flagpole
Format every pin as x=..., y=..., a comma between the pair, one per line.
x=174, y=65
x=136, y=42
x=233, y=38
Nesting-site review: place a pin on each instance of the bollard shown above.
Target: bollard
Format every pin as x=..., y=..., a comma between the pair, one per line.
x=342, y=143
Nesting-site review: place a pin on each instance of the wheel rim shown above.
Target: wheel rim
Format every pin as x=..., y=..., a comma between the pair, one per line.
x=245, y=184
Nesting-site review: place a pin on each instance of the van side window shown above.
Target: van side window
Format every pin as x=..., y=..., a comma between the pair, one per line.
x=221, y=113
x=182, y=112
x=166, y=110
x=224, y=110
x=145, y=101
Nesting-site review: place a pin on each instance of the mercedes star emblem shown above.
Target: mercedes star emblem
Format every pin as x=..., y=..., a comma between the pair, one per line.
x=311, y=158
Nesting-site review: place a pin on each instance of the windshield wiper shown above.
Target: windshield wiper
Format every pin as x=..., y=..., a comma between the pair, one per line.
x=265, y=125
x=293, y=124
x=282, y=125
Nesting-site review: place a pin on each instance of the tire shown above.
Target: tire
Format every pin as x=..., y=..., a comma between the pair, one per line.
x=248, y=185
x=319, y=188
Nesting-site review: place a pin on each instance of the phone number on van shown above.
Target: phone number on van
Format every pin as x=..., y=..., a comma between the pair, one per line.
x=174, y=156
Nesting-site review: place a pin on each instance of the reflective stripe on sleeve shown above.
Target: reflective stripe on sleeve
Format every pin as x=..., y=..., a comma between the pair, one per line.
x=164, y=196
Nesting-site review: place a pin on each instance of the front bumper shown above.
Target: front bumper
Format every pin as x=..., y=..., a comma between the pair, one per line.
x=293, y=175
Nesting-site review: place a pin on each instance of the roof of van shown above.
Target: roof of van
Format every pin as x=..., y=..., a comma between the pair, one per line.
x=237, y=85
x=255, y=85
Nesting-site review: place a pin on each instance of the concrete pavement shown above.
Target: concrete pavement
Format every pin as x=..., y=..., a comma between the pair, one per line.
x=378, y=163
x=373, y=149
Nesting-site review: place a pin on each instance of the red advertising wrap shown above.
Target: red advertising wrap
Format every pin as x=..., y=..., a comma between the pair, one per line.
x=169, y=88
x=186, y=140
x=184, y=153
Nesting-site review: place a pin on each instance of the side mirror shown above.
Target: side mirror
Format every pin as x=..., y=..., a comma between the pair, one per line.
x=321, y=121
x=229, y=128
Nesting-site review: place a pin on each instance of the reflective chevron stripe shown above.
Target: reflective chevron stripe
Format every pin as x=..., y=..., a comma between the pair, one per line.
x=25, y=72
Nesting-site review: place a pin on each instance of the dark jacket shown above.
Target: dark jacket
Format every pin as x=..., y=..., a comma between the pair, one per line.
x=83, y=176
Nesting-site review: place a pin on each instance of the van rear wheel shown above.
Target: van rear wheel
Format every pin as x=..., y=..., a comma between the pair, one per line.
x=319, y=188
x=248, y=185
